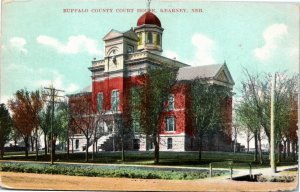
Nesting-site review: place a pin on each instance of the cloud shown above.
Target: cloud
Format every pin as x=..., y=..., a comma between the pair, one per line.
x=18, y=43
x=204, y=49
x=38, y=78
x=170, y=54
x=271, y=35
x=75, y=44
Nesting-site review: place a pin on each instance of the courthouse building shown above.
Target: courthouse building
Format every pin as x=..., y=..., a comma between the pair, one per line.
x=128, y=55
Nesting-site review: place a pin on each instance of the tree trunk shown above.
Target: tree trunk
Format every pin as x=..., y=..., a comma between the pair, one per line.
x=2, y=152
x=96, y=146
x=26, y=141
x=200, y=149
x=46, y=145
x=32, y=143
x=256, y=146
x=284, y=149
x=288, y=148
x=248, y=142
x=294, y=150
x=72, y=146
x=68, y=147
x=93, y=152
x=87, y=150
x=53, y=148
x=123, y=152
x=278, y=152
x=259, y=149
x=36, y=148
x=156, y=148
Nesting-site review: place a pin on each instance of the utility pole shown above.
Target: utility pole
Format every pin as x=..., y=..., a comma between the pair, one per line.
x=272, y=159
x=53, y=94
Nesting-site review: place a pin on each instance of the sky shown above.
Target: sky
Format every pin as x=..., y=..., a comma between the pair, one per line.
x=44, y=43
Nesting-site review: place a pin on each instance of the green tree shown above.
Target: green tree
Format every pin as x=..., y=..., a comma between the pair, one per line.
x=206, y=101
x=256, y=94
x=5, y=128
x=153, y=95
x=45, y=124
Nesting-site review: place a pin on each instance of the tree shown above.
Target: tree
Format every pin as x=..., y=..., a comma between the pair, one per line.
x=247, y=116
x=45, y=123
x=83, y=118
x=25, y=107
x=153, y=95
x=206, y=101
x=5, y=128
x=256, y=91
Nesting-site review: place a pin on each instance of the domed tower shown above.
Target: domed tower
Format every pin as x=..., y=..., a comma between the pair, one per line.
x=149, y=32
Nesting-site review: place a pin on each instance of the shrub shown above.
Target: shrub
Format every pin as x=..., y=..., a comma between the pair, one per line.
x=107, y=171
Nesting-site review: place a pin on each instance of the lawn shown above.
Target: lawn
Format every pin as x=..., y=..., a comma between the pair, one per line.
x=186, y=159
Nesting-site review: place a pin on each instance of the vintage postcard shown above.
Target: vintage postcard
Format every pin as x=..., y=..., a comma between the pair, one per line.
x=149, y=95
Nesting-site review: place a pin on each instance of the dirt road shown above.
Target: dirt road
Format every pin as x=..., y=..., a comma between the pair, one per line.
x=62, y=182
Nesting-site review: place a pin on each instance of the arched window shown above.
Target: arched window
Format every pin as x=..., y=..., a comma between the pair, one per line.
x=158, y=39
x=149, y=37
x=139, y=38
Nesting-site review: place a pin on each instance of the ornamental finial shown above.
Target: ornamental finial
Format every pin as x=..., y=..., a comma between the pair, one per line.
x=148, y=5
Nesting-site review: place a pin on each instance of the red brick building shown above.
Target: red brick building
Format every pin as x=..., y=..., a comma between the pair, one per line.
x=128, y=55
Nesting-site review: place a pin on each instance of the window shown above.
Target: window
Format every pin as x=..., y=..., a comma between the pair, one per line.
x=139, y=39
x=76, y=144
x=149, y=37
x=136, y=144
x=158, y=39
x=130, y=49
x=171, y=102
x=100, y=101
x=115, y=100
x=170, y=124
x=170, y=143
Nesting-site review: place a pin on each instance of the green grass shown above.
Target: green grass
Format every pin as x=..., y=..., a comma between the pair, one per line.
x=188, y=159
x=108, y=171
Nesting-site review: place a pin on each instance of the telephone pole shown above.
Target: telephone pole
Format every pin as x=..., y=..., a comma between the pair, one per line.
x=272, y=149
x=53, y=94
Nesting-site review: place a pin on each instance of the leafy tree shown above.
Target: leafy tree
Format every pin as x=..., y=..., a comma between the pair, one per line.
x=45, y=124
x=83, y=119
x=26, y=107
x=256, y=91
x=153, y=95
x=5, y=128
x=206, y=101
x=247, y=117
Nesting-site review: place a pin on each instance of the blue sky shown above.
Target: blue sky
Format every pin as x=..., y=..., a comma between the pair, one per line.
x=42, y=45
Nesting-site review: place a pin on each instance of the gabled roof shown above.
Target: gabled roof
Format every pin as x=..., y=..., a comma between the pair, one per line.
x=112, y=34
x=217, y=72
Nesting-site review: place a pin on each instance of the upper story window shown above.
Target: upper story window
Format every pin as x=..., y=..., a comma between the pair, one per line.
x=139, y=38
x=170, y=124
x=158, y=39
x=100, y=101
x=149, y=37
x=171, y=102
x=115, y=100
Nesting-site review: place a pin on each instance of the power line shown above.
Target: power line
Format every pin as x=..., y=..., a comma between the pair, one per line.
x=53, y=94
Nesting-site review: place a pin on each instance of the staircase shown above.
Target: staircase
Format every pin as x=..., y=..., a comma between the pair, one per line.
x=101, y=141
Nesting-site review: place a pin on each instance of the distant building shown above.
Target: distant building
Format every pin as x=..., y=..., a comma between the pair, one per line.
x=128, y=55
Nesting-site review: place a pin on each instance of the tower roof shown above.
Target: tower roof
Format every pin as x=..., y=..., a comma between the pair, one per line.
x=148, y=18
